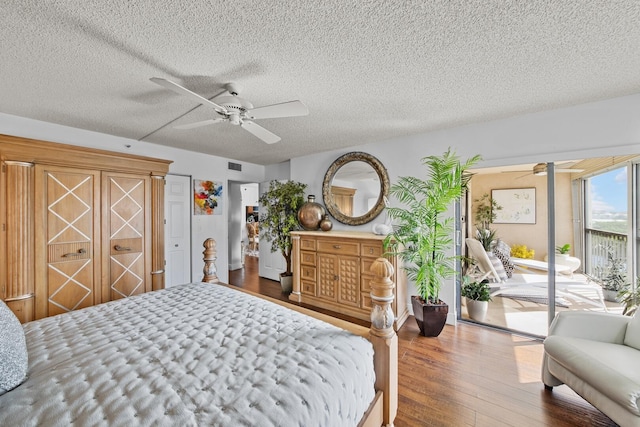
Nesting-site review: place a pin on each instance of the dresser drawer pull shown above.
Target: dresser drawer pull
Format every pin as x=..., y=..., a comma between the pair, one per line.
x=336, y=246
x=121, y=248
x=80, y=252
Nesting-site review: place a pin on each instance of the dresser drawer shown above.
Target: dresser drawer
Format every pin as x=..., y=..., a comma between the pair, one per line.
x=307, y=244
x=365, y=300
x=365, y=266
x=338, y=247
x=365, y=283
x=372, y=249
x=308, y=288
x=308, y=258
x=308, y=273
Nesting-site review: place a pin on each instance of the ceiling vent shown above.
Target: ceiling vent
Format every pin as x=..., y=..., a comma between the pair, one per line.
x=235, y=166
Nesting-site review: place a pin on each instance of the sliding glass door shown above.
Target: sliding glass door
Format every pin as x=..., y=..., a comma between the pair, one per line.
x=588, y=207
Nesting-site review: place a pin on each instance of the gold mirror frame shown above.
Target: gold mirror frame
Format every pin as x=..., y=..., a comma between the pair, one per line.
x=329, y=202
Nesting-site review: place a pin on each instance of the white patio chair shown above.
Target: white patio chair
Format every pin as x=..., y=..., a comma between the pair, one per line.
x=534, y=284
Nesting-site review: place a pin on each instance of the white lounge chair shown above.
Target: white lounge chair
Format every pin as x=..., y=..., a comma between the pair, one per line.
x=482, y=268
x=529, y=284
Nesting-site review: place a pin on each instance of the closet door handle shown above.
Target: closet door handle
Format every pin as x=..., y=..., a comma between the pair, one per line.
x=80, y=252
x=121, y=248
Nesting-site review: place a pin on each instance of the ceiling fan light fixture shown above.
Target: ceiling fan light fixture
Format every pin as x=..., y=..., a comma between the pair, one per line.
x=234, y=119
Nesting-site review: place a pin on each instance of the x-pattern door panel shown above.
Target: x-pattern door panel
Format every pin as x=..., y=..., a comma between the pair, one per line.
x=127, y=233
x=67, y=239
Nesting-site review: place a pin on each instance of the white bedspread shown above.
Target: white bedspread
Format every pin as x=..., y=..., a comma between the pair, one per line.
x=197, y=354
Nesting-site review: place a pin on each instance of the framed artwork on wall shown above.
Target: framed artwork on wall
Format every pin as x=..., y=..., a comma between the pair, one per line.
x=518, y=205
x=207, y=197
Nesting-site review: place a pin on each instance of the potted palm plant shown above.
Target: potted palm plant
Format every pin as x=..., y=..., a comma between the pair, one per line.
x=477, y=296
x=423, y=235
x=486, y=213
x=281, y=201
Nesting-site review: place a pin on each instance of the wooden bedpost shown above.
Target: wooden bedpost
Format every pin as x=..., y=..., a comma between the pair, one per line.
x=210, y=255
x=384, y=338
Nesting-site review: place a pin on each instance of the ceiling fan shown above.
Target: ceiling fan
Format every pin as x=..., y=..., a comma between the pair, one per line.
x=237, y=111
x=540, y=169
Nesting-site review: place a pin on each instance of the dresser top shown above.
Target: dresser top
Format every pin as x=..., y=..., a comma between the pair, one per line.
x=340, y=234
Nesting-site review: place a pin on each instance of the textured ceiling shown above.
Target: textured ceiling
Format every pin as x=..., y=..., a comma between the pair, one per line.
x=367, y=70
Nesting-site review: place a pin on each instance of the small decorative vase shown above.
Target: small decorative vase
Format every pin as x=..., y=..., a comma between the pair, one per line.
x=310, y=213
x=326, y=224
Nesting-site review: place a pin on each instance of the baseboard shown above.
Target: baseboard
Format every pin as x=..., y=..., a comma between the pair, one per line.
x=237, y=266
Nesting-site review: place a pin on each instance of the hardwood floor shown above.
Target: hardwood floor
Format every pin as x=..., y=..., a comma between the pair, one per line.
x=468, y=376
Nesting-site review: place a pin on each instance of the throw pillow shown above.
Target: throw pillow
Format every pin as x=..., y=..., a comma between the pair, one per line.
x=497, y=266
x=503, y=247
x=632, y=336
x=13, y=350
x=503, y=251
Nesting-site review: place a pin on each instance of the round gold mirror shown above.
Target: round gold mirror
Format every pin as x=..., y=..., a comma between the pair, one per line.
x=354, y=188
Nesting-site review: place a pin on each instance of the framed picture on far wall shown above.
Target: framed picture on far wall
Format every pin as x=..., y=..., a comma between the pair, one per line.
x=207, y=197
x=518, y=205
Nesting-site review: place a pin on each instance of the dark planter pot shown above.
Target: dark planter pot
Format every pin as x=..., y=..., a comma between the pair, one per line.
x=286, y=281
x=431, y=318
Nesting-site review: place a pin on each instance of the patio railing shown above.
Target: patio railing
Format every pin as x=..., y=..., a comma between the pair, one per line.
x=597, y=245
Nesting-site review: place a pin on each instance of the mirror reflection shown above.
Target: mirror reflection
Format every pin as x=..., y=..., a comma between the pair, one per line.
x=354, y=188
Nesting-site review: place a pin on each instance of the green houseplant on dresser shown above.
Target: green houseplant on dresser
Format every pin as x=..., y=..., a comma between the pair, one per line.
x=423, y=234
x=281, y=201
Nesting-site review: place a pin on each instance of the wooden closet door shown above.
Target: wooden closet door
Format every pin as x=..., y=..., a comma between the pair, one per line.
x=67, y=239
x=126, y=235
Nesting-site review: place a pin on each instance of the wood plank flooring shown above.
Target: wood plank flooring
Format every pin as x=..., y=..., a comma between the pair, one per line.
x=468, y=376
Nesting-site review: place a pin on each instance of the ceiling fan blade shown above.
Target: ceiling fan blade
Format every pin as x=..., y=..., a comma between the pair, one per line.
x=260, y=132
x=569, y=170
x=198, y=124
x=175, y=87
x=286, y=109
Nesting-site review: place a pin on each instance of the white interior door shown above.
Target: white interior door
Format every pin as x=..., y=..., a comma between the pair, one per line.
x=177, y=208
x=271, y=264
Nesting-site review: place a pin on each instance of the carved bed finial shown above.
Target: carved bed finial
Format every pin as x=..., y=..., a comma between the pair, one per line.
x=382, y=296
x=210, y=255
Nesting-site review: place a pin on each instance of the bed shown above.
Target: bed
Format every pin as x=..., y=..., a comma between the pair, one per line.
x=207, y=354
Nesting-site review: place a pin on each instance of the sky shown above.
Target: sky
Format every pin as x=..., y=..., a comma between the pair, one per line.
x=609, y=191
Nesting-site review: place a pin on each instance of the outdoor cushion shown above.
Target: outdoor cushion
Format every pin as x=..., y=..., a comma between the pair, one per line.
x=497, y=265
x=502, y=251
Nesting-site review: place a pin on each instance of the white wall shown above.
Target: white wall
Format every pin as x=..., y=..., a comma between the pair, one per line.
x=199, y=166
x=590, y=130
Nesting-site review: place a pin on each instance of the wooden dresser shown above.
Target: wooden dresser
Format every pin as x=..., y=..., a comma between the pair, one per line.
x=331, y=270
x=79, y=226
